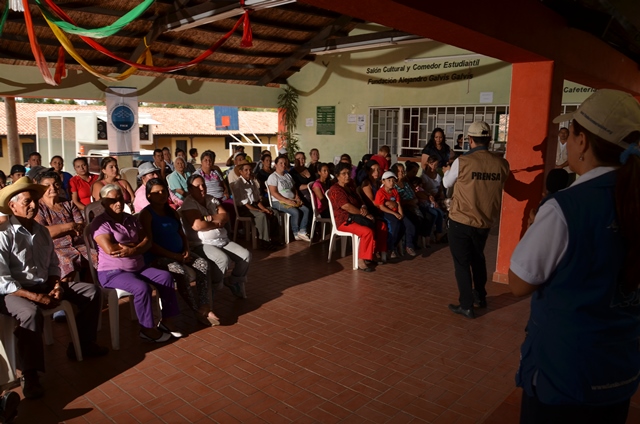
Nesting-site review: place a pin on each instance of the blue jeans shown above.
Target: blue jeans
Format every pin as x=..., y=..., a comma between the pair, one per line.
x=295, y=216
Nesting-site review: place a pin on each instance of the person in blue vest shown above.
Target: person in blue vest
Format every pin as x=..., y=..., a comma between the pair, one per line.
x=580, y=259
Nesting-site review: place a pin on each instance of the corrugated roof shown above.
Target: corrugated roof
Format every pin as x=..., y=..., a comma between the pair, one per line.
x=174, y=121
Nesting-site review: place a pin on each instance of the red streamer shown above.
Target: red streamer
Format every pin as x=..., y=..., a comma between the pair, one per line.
x=61, y=13
x=247, y=34
x=41, y=62
x=61, y=70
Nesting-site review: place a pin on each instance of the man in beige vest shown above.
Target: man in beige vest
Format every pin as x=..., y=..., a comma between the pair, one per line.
x=479, y=178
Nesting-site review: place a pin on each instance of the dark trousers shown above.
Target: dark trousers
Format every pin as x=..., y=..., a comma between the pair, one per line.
x=30, y=320
x=396, y=230
x=467, y=249
x=416, y=225
x=532, y=411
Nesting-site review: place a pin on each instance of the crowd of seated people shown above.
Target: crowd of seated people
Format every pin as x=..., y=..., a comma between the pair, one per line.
x=172, y=229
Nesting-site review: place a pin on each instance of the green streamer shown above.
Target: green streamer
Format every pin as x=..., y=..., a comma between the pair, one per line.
x=4, y=16
x=103, y=32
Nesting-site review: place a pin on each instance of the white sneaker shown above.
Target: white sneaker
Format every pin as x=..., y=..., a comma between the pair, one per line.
x=302, y=236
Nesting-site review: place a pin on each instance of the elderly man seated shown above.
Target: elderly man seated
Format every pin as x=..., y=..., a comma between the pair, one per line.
x=147, y=171
x=30, y=282
x=246, y=194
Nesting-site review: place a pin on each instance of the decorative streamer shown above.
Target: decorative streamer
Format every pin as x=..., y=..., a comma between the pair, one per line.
x=3, y=19
x=61, y=71
x=148, y=66
x=35, y=47
x=173, y=68
x=247, y=34
x=66, y=43
x=103, y=32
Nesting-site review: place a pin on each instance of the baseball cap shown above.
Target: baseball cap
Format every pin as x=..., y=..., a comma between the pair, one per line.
x=18, y=168
x=479, y=129
x=389, y=174
x=146, y=168
x=609, y=114
x=35, y=170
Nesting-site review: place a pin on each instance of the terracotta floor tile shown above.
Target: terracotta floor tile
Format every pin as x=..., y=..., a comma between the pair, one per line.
x=323, y=345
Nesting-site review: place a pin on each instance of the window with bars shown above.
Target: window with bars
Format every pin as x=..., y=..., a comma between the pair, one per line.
x=384, y=129
x=407, y=129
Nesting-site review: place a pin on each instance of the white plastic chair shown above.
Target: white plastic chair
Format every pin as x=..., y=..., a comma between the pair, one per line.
x=131, y=175
x=281, y=215
x=316, y=217
x=113, y=296
x=355, y=240
x=249, y=227
x=8, y=325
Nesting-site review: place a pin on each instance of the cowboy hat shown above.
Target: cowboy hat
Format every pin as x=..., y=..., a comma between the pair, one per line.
x=239, y=166
x=23, y=184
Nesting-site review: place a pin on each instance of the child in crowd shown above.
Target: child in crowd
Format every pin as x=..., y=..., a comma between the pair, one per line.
x=383, y=157
x=388, y=201
x=17, y=172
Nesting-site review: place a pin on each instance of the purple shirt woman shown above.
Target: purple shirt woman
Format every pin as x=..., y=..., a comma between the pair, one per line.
x=121, y=242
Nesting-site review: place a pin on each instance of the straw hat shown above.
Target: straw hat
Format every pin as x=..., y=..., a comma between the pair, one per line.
x=239, y=166
x=23, y=184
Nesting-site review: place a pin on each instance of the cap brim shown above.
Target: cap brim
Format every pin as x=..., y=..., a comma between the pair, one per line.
x=563, y=118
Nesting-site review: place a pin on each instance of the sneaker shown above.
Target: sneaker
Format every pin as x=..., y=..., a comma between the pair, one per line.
x=238, y=290
x=411, y=252
x=393, y=255
x=31, y=387
x=302, y=236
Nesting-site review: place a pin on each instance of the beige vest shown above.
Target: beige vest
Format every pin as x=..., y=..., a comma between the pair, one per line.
x=478, y=190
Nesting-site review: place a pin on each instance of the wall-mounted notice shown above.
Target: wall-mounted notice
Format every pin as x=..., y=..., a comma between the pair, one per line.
x=362, y=119
x=309, y=122
x=486, y=97
x=326, y=120
x=360, y=127
x=351, y=118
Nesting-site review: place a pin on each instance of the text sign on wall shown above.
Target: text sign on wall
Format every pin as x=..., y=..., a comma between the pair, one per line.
x=326, y=120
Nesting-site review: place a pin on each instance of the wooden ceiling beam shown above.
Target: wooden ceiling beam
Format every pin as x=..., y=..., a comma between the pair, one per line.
x=304, y=50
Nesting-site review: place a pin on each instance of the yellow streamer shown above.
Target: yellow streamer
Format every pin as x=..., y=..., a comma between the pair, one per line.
x=66, y=43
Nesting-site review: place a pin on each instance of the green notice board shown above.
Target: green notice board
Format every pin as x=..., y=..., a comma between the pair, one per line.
x=326, y=120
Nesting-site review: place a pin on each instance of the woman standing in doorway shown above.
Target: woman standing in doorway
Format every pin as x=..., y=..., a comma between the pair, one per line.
x=437, y=145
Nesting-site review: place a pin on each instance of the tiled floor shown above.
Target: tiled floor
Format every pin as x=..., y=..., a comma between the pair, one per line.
x=315, y=342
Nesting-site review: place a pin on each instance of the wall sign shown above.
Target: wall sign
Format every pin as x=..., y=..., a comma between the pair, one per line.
x=326, y=120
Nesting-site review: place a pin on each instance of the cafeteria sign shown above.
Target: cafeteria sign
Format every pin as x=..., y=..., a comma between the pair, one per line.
x=326, y=120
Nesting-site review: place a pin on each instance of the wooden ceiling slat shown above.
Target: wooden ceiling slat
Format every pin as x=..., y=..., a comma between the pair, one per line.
x=325, y=33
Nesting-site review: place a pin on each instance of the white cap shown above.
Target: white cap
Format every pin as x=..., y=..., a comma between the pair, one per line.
x=389, y=174
x=609, y=114
x=479, y=129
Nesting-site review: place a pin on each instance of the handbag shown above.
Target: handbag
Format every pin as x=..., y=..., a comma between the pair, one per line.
x=361, y=220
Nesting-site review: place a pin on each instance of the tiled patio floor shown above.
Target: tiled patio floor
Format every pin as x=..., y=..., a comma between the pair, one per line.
x=315, y=342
